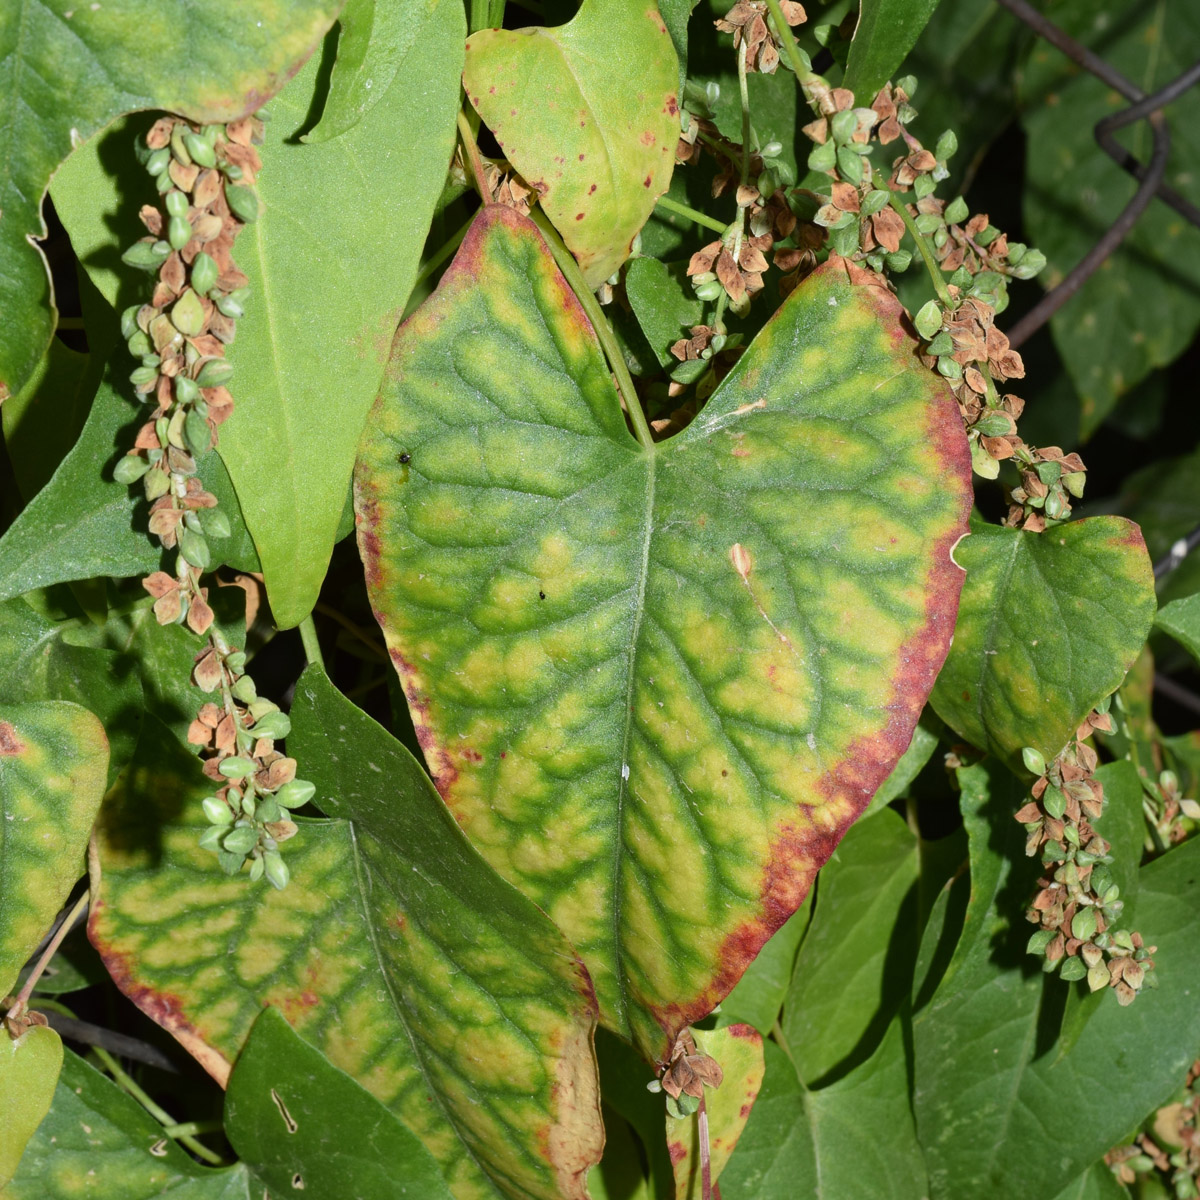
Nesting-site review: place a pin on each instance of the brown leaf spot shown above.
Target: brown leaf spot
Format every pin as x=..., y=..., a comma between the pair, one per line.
x=10, y=744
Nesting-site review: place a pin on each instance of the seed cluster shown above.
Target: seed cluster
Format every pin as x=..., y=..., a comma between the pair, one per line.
x=205, y=177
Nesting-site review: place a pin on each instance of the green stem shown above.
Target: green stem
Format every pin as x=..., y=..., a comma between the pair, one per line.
x=806, y=76
x=692, y=214
x=51, y=949
x=472, y=152
x=164, y=1118
x=781, y=1041
x=931, y=263
x=312, y=647
x=723, y=149
x=587, y=298
x=189, y=1128
x=744, y=95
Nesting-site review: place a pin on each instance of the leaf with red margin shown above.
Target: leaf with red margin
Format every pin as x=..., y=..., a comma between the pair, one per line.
x=739, y=1050
x=655, y=687
x=69, y=73
x=395, y=951
x=594, y=140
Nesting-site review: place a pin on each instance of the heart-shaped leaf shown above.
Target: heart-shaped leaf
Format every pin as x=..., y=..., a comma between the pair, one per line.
x=588, y=113
x=395, y=952
x=67, y=70
x=739, y=1050
x=53, y=762
x=311, y=349
x=1048, y=626
x=29, y=1067
x=655, y=685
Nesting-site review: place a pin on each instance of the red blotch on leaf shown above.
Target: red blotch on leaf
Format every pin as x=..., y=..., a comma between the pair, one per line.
x=677, y=1151
x=10, y=744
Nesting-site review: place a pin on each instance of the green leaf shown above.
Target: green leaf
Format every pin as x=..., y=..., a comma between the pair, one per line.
x=42, y=421
x=68, y=71
x=1181, y=619
x=374, y=41
x=618, y=1175
x=853, y=1138
x=855, y=966
x=656, y=686
x=595, y=139
x=758, y=996
x=53, y=760
x=675, y=15
x=98, y=1141
x=739, y=1051
x=1140, y=311
x=299, y=1123
x=29, y=1067
x=886, y=31
x=1048, y=625
x=987, y=1047
x=311, y=348
x=395, y=952
x=83, y=524
x=663, y=304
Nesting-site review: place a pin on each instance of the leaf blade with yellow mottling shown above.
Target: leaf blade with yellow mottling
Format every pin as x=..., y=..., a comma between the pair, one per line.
x=53, y=763
x=655, y=687
x=396, y=953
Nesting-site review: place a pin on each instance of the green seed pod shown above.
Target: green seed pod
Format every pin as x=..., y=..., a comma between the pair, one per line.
x=248, y=804
x=176, y=203
x=194, y=549
x=256, y=869
x=1056, y=506
x=709, y=291
x=210, y=839
x=156, y=483
x=1083, y=924
x=227, y=306
x=948, y=368
x=129, y=322
x=267, y=811
x=237, y=768
x=200, y=150
x=130, y=469
x=260, y=707
x=242, y=201
x=1035, y=762
x=843, y=125
x=158, y=161
x=822, y=157
x=957, y=211
x=139, y=345
x=188, y=314
x=179, y=232
x=982, y=463
x=276, y=870
x=196, y=434
x=898, y=261
x=236, y=661
x=942, y=343
x=240, y=839
x=183, y=610
x=216, y=524
x=928, y=223
x=175, y=429
x=244, y=690
x=1074, y=482
x=187, y=390
x=179, y=146
x=1073, y=969
x=874, y=201
x=947, y=146
x=296, y=794
x=141, y=376
x=204, y=273
x=214, y=373
x=928, y=319
x=192, y=521
x=1039, y=941
x=232, y=170
x=274, y=725
x=849, y=165
x=217, y=811
x=146, y=256
x=924, y=185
